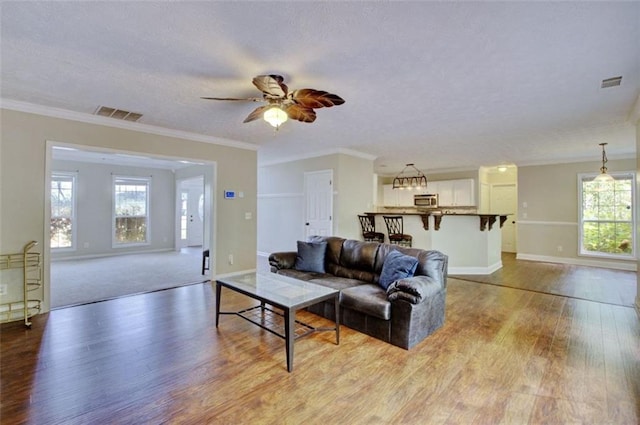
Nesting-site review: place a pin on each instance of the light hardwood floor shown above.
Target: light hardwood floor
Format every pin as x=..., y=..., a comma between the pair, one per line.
x=505, y=355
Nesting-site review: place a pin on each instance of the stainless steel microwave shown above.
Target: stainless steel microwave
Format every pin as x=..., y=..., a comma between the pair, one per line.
x=426, y=201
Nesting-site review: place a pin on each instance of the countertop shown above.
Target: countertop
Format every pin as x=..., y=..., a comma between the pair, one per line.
x=435, y=212
x=486, y=219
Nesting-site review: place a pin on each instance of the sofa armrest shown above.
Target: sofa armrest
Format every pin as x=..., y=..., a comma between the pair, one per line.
x=414, y=289
x=282, y=260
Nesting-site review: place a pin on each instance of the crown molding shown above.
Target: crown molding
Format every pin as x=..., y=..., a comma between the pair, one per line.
x=32, y=108
x=317, y=154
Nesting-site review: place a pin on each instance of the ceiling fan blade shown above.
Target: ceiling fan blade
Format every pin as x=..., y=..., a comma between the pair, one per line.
x=271, y=86
x=311, y=98
x=257, y=113
x=297, y=112
x=249, y=99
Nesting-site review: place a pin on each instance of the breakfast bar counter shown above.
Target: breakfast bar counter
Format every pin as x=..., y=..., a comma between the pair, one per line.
x=473, y=241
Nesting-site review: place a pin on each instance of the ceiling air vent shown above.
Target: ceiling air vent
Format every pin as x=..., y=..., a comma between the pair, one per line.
x=118, y=114
x=611, y=82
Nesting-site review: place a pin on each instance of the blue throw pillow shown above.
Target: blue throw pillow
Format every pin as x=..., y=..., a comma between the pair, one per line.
x=397, y=266
x=310, y=256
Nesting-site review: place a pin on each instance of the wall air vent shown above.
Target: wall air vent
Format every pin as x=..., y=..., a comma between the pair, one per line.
x=611, y=82
x=118, y=114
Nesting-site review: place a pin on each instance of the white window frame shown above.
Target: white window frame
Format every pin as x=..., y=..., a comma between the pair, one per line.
x=74, y=220
x=119, y=179
x=630, y=175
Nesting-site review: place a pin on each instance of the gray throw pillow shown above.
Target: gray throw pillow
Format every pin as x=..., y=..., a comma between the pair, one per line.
x=310, y=256
x=395, y=267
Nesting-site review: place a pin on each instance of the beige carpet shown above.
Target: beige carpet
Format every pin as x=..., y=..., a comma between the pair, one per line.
x=90, y=280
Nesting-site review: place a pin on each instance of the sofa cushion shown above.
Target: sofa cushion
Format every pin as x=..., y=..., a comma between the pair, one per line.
x=335, y=282
x=369, y=299
x=310, y=256
x=359, y=255
x=396, y=266
x=414, y=290
x=334, y=249
x=300, y=274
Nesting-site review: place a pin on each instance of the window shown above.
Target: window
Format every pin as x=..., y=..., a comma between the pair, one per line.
x=63, y=210
x=131, y=210
x=606, y=216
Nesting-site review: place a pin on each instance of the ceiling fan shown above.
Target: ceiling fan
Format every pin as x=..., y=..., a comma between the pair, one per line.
x=283, y=104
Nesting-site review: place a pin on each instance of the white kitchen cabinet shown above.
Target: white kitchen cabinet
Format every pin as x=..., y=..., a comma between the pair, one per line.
x=432, y=188
x=454, y=193
x=451, y=193
x=464, y=192
x=396, y=197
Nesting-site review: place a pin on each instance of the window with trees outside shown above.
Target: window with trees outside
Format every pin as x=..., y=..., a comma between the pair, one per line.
x=131, y=210
x=606, y=216
x=63, y=200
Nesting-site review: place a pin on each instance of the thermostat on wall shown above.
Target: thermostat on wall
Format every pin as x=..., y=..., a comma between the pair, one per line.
x=229, y=194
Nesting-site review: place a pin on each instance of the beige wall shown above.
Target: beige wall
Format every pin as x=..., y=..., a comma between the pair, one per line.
x=94, y=213
x=355, y=188
x=638, y=197
x=281, y=198
x=22, y=179
x=550, y=218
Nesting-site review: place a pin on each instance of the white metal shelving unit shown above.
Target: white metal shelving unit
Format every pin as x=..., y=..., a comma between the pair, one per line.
x=27, y=306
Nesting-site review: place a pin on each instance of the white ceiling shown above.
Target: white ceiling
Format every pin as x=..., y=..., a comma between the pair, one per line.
x=446, y=85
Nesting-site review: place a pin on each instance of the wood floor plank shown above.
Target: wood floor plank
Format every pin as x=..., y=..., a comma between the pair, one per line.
x=505, y=355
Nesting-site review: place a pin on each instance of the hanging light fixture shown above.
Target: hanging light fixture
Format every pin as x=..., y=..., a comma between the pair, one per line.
x=414, y=179
x=604, y=177
x=275, y=116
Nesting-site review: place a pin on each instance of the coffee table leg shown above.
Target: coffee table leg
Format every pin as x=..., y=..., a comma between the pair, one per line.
x=289, y=327
x=218, y=292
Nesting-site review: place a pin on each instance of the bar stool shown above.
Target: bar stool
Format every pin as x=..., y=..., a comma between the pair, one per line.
x=395, y=230
x=369, y=233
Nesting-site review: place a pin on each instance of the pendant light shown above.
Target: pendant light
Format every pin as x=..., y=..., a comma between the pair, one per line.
x=603, y=177
x=412, y=180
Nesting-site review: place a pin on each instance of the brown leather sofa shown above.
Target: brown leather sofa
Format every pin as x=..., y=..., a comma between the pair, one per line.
x=410, y=310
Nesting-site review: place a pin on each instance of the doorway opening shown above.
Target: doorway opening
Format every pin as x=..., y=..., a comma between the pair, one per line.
x=93, y=268
x=499, y=194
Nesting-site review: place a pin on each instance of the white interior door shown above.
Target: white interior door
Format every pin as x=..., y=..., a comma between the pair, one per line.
x=318, y=195
x=504, y=200
x=191, y=207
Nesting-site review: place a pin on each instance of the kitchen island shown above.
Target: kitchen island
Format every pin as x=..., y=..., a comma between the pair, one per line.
x=473, y=241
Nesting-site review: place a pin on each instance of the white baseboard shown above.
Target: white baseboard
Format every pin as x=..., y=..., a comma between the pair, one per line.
x=631, y=266
x=114, y=254
x=238, y=273
x=475, y=270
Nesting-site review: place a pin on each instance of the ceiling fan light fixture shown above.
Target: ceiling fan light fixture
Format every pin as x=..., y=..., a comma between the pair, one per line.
x=275, y=116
